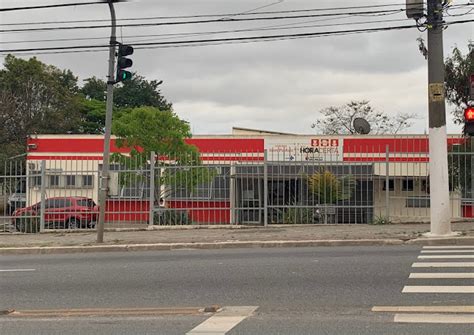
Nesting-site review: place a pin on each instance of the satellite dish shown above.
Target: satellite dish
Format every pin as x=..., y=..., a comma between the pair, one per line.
x=361, y=126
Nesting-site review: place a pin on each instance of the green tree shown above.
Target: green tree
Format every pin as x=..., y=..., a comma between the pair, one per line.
x=458, y=68
x=139, y=92
x=35, y=98
x=147, y=129
x=92, y=113
x=339, y=119
x=94, y=89
x=330, y=189
x=136, y=92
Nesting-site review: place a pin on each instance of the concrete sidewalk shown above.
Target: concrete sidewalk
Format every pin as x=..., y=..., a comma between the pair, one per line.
x=226, y=237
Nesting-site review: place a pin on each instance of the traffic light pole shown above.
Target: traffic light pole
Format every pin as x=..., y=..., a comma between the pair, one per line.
x=104, y=182
x=440, y=209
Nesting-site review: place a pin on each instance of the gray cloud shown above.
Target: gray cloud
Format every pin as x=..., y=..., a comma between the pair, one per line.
x=271, y=85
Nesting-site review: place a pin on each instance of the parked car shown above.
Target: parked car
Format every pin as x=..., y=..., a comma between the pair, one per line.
x=61, y=212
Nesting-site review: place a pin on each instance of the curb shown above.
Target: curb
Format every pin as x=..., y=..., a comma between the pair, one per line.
x=232, y=245
x=205, y=245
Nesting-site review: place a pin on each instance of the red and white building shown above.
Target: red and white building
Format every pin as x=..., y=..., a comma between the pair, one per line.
x=393, y=172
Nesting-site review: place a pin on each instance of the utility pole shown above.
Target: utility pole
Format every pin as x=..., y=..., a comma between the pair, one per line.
x=440, y=209
x=104, y=178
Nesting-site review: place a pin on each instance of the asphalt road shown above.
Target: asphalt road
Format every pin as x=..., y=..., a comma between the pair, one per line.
x=328, y=290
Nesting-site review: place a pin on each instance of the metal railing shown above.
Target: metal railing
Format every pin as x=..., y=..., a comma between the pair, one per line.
x=284, y=184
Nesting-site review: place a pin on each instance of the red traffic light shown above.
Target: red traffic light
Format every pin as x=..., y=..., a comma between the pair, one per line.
x=469, y=114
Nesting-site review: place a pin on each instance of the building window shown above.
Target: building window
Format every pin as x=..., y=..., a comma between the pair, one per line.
x=35, y=180
x=87, y=181
x=391, y=185
x=54, y=181
x=418, y=202
x=407, y=185
x=71, y=181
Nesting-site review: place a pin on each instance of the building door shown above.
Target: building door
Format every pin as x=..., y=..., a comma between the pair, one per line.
x=249, y=201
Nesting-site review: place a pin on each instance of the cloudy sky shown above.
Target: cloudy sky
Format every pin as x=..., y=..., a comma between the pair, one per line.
x=277, y=85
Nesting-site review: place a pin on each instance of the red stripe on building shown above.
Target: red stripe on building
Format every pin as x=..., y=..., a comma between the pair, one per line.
x=77, y=145
x=64, y=158
x=232, y=158
x=223, y=145
x=383, y=159
x=95, y=145
x=395, y=145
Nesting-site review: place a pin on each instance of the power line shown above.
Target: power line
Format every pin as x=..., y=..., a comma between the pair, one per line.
x=11, y=9
x=174, y=35
x=201, y=21
x=207, y=15
x=218, y=15
x=235, y=39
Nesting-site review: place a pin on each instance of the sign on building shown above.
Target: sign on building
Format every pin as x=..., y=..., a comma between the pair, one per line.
x=304, y=148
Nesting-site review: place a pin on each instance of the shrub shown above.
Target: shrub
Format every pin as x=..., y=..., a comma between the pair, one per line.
x=27, y=223
x=380, y=220
x=170, y=217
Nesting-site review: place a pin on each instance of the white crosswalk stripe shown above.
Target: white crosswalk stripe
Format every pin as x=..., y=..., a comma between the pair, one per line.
x=449, y=247
x=442, y=275
x=444, y=256
x=223, y=321
x=438, y=289
x=445, y=251
x=457, y=281
x=444, y=265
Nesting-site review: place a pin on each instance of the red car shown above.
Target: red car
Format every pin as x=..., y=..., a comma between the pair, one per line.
x=62, y=212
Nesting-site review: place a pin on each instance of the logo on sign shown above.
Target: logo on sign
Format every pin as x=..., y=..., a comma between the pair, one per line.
x=316, y=142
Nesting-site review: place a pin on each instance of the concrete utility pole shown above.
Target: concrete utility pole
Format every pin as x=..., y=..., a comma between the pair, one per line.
x=440, y=209
x=104, y=182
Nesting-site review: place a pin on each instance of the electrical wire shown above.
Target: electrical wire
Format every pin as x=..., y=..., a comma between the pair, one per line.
x=235, y=39
x=205, y=15
x=200, y=21
x=177, y=35
x=11, y=9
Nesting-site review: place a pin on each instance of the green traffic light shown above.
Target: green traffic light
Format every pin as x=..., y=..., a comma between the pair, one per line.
x=124, y=75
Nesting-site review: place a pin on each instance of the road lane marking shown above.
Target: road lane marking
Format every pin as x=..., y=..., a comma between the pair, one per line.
x=450, y=247
x=17, y=270
x=438, y=289
x=444, y=251
x=424, y=309
x=221, y=322
x=444, y=265
x=444, y=256
x=82, y=312
x=434, y=318
x=442, y=275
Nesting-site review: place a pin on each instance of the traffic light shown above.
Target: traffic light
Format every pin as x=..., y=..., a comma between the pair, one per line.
x=123, y=62
x=469, y=121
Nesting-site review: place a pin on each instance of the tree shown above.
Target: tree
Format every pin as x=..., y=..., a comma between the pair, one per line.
x=330, y=189
x=458, y=68
x=94, y=89
x=147, y=129
x=339, y=120
x=138, y=92
x=35, y=98
x=132, y=93
x=92, y=116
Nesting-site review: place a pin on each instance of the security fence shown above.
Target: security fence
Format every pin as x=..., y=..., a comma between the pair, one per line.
x=285, y=184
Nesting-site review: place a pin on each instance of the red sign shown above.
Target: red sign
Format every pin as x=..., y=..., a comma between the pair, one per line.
x=324, y=142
